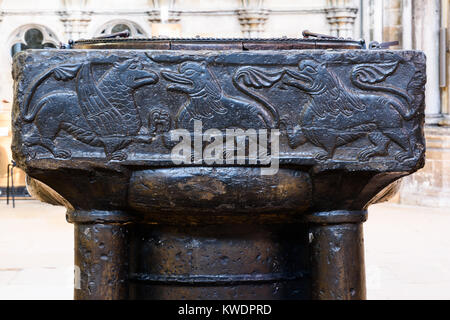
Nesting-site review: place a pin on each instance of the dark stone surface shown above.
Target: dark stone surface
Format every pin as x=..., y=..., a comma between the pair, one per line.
x=352, y=110
x=93, y=127
x=92, y=114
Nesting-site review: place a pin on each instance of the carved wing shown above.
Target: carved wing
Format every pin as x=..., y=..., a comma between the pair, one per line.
x=340, y=100
x=255, y=78
x=214, y=90
x=66, y=72
x=63, y=72
x=103, y=118
x=373, y=73
x=336, y=99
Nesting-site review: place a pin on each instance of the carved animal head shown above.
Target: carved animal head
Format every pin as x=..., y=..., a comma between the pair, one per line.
x=192, y=79
x=134, y=74
x=159, y=121
x=199, y=83
x=312, y=77
x=328, y=93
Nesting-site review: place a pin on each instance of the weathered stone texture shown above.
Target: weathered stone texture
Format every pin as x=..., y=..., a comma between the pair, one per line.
x=92, y=129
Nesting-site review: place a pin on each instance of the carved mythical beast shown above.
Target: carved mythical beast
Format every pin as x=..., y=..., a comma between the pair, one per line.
x=337, y=115
x=100, y=113
x=209, y=103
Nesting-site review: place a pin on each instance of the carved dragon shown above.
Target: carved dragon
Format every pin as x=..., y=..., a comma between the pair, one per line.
x=337, y=115
x=208, y=102
x=99, y=113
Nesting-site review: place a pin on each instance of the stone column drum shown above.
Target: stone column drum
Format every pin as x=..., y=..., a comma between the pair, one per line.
x=99, y=127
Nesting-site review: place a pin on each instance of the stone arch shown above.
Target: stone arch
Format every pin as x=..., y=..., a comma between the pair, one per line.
x=113, y=26
x=32, y=36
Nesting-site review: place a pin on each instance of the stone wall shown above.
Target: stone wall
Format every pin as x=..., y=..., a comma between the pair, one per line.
x=431, y=185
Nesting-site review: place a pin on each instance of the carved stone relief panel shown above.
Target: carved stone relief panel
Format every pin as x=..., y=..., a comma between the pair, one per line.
x=360, y=110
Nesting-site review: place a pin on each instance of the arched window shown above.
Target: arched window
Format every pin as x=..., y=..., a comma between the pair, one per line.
x=122, y=25
x=33, y=37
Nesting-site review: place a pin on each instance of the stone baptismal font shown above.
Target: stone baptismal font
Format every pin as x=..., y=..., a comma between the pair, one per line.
x=218, y=168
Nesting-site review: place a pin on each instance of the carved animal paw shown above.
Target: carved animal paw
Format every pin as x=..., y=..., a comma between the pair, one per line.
x=322, y=156
x=167, y=141
x=145, y=139
x=63, y=154
x=30, y=153
x=402, y=156
x=117, y=156
x=366, y=154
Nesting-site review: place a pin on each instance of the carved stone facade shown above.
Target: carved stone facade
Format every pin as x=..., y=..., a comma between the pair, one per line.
x=381, y=103
x=415, y=23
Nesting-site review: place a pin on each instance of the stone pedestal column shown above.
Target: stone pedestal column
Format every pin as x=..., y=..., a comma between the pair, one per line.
x=225, y=261
x=101, y=254
x=337, y=255
x=320, y=258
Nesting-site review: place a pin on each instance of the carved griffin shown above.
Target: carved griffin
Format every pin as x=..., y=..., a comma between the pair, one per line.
x=337, y=115
x=100, y=113
x=209, y=103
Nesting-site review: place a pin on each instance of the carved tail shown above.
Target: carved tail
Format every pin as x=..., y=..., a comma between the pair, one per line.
x=365, y=77
x=86, y=136
x=252, y=77
x=64, y=73
x=31, y=114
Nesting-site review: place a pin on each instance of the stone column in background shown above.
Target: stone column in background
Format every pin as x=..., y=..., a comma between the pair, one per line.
x=164, y=19
x=341, y=15
x=392, y=22
x=426, y=24
x=75, y=17
x=252, y=17
x=430, y=187
x=407, y=28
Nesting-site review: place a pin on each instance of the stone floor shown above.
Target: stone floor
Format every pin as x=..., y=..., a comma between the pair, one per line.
x=36, y=252
x=407, y=252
